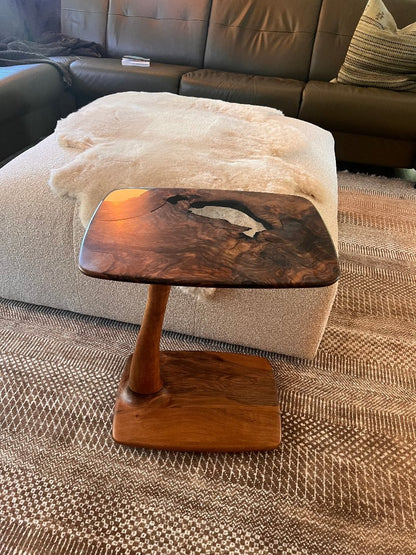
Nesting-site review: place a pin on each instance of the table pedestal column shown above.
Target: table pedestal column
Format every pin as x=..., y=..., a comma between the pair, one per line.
x=144, y=374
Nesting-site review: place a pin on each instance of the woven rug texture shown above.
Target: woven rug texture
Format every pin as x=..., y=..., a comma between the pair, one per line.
x=342, y=481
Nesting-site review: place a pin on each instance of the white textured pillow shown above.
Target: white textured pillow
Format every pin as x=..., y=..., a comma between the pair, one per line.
x=380, y=54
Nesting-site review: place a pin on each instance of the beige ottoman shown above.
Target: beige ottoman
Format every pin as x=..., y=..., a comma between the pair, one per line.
x=41, y=234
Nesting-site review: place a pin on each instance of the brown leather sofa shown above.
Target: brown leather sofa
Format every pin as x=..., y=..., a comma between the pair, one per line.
x=277, y=53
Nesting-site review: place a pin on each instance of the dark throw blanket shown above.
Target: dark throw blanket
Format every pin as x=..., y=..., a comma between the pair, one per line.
x=16, y=51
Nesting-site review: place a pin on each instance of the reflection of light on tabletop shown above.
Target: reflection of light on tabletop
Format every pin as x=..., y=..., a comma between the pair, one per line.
x=114, y=202
x=121, y=195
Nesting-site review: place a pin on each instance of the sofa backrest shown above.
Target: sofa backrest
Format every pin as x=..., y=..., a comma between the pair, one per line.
x=169, y=31
x=263, y=37
x=336, y=26
x=298, y=39
x=85, y=20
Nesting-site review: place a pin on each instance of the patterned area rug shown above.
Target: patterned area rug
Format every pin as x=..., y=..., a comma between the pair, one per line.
x=343, y=480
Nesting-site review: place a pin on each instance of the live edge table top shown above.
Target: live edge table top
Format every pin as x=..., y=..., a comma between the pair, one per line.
x=181, y=237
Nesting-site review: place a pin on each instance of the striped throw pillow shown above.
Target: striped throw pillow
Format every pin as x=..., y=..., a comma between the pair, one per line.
x=380, y=54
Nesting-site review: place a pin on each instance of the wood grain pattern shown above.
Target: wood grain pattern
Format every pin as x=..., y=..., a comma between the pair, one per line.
x=209, y=402
x=152, y=236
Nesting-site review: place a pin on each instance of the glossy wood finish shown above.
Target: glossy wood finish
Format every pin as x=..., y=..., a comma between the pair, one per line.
x=152, y=236
x=195, y=400
x=209, y=402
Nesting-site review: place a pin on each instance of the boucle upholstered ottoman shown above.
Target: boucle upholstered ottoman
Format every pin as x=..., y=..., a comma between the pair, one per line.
x=41, y=230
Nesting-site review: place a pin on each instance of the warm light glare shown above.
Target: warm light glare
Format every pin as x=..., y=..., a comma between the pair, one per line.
x=121, y=195
x=115, y=206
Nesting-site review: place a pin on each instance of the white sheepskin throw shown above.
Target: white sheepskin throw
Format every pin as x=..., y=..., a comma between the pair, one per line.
x=139, y=139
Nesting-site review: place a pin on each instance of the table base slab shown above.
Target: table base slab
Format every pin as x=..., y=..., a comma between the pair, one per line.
x=210, y=401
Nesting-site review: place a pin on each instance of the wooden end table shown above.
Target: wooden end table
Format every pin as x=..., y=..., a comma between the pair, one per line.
x=191, y=400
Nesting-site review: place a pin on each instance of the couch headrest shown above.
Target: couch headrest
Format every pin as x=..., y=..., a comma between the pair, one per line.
x=85, y=20
x=169, y=31
x=262, y=37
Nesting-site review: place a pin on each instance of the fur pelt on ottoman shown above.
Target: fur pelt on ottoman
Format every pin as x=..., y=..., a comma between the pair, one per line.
x=139, y=139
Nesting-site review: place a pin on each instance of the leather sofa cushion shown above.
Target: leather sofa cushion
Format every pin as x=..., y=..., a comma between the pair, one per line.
x=32, y=99
x=337, y=23
x=96, y=77
x=283, y=94
x=262, y=37
x=85, y=20
x=25, y=88
x=166, y=31
x=360, y=110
